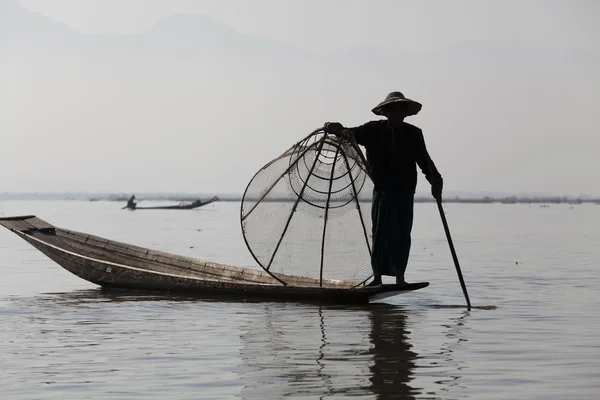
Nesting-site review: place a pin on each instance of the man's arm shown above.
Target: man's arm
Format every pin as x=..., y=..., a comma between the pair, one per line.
x=363, y=134
x=427, y=165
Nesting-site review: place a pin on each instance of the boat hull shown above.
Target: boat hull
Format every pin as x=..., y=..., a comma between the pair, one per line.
x=115, y=265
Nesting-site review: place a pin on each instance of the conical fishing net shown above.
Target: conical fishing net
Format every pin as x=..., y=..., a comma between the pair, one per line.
x=307, y=213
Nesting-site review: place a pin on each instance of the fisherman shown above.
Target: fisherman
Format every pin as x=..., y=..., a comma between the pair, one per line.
x=394, y=149
x=131, y=202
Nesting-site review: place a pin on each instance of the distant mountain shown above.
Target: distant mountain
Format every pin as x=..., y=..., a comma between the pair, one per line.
x=191, y=103
x=185, y=31
x=19, y=23
x=181, y=33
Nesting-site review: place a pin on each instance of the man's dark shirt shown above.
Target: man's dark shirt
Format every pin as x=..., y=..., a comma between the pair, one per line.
x=394, y=153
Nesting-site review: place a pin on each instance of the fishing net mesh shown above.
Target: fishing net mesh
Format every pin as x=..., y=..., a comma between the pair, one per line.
x=307, y=213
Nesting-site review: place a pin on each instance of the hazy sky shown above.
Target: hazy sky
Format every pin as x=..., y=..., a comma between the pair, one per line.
x=509, y=88
x=325, y=25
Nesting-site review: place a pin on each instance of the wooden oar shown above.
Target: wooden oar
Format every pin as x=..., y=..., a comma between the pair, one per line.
x=454, y=257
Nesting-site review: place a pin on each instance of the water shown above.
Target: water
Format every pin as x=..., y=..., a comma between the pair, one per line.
x=63, y=338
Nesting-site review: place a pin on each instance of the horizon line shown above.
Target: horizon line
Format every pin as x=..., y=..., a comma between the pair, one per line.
x=450, y=194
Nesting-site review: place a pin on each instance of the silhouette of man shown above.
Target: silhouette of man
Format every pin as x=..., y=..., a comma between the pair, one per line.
x=131, y=202
x=394, y=149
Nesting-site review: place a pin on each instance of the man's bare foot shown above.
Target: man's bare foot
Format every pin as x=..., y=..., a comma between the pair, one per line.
x=376, y=282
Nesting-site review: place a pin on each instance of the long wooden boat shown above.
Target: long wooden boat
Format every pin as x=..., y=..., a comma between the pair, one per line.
x=116, y=265
x=184, y=206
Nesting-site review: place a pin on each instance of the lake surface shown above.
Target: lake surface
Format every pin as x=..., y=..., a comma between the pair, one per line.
x=63, y=338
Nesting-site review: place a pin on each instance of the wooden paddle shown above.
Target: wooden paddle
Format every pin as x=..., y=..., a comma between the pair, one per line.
x=454, y=257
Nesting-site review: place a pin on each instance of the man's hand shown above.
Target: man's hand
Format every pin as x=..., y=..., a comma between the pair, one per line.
x=436, y=191
x=333, y=127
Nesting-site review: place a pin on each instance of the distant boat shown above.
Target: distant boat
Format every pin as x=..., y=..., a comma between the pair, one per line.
x=182, y=206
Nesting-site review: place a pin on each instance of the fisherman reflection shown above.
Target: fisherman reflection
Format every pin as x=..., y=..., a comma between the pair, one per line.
x=288, y=351
x=393, y=361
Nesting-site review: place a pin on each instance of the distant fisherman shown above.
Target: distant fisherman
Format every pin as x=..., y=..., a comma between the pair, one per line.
x=394, y=149
x=131, y=203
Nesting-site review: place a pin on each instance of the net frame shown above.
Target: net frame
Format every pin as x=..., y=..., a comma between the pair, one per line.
x=346, y=150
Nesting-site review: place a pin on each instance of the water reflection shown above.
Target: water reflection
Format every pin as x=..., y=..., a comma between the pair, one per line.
x=334, y=352
x=393, y=361
x=287, y=350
